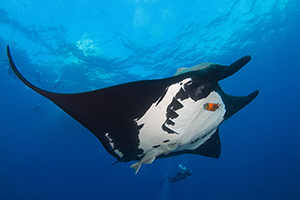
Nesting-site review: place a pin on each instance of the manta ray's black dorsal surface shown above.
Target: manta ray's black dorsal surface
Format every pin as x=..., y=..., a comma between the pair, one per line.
x=150, y=119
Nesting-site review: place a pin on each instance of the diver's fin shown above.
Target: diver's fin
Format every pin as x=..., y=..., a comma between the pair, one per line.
x=162, y=182
x=136, y=167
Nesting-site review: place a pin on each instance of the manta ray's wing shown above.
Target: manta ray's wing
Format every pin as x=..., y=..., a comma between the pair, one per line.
x=109, y=113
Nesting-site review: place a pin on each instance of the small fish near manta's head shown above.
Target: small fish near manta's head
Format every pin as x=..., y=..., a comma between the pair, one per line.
x=150, y=119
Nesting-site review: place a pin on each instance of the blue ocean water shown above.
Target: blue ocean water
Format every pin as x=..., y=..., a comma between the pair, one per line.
x=74, y=46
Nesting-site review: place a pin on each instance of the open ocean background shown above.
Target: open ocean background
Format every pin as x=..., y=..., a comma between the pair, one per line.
x=81, y=45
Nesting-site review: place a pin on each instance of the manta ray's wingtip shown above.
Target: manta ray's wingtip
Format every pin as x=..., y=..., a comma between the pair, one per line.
x=21, y=77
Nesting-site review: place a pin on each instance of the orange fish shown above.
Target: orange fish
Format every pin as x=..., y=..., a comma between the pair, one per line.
x=211, y=106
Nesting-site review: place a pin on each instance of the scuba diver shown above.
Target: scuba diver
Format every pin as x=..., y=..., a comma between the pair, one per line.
x=37, y=108
x=183, y=173
x=45, y=84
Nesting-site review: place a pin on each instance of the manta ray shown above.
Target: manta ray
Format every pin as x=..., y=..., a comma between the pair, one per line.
x=149, y=119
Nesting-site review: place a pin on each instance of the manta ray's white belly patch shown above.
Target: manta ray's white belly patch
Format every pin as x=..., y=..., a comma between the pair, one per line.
x=193, y=125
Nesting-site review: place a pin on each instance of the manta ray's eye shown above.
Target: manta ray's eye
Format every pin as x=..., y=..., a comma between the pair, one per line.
x=211, y=106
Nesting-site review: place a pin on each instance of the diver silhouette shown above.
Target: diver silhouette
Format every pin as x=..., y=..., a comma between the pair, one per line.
x=37, y=108
x=37, y=75
x=183, y=173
